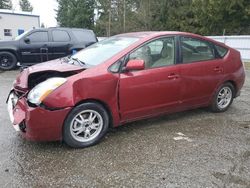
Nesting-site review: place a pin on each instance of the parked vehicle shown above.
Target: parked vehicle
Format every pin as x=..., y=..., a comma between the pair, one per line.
x=122, y=79
x=40, y=45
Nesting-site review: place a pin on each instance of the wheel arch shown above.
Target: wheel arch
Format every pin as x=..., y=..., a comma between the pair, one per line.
x=234, y=85
x=222, y=83
x=103, y=104
x=10, y=51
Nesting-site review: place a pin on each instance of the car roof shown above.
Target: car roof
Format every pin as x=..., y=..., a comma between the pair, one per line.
x=62, y=28
x=154, y=34
x=69, y=28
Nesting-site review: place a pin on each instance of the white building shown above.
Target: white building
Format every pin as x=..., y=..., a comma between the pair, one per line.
x=13, y=23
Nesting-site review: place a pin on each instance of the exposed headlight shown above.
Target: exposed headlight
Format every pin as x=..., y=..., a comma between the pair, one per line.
x=42, y=90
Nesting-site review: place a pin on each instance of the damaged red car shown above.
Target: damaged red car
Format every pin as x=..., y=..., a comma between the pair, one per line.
x=121, y=79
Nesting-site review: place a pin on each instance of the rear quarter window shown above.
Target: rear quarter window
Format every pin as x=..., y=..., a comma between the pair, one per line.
x=221, y=50
x=84, y=36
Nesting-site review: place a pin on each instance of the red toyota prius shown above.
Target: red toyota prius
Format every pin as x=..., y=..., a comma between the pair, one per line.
x=124, y=78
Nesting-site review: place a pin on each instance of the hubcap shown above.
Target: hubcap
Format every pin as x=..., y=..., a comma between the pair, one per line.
x=86, y=125
x=224, y=97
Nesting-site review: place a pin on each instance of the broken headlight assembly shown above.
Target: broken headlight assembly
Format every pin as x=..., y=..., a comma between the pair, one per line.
x=42, y=90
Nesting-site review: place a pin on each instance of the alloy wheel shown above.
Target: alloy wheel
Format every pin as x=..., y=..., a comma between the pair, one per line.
x=86, y=125
x=224, y=97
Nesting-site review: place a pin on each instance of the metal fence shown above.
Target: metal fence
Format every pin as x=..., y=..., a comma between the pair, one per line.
x=241, y=43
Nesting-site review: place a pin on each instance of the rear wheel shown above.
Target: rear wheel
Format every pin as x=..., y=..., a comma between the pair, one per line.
x=85, y=125
x=223, y=98
x=8, y=61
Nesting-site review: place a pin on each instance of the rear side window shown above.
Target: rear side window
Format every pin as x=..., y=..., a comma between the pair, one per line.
x=40, y=36
x=60, y=36
x=195, y=50
x=221, y=50
x=84, y=36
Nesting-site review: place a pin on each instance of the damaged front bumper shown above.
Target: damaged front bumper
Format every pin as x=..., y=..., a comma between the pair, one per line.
x=35, y=123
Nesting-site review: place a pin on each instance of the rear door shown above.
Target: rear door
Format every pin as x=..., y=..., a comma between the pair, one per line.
x=60, y=44
x=153, y=90
x=34, y=47
x=200, y=71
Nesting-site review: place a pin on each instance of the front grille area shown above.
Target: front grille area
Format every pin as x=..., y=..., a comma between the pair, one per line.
x=19, y=93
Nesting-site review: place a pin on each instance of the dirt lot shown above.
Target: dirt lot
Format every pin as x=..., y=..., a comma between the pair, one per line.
x=189, y=149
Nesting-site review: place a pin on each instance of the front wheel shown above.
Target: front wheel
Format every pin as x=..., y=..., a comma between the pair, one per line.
x=223, y=98
x=86, y=125
x=8, y=61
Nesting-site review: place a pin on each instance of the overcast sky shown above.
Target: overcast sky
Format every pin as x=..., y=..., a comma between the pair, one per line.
x=44, y=8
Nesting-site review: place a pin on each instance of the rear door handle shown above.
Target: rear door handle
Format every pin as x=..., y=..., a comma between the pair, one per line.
x=173, y=76
x=218, y=69
x=44, y=52
x=43, y=49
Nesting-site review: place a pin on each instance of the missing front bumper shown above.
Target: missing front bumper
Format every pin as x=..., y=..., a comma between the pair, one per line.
x=36, y=123
x=11, y=105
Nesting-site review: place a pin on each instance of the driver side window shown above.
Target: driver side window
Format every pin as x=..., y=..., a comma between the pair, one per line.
x=39, y=36
x=157, y=53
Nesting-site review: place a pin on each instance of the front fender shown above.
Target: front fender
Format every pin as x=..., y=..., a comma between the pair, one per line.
x=102, y=88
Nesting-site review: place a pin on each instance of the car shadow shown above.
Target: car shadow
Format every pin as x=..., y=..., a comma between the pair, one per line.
x=133, y=127
x=162, y=119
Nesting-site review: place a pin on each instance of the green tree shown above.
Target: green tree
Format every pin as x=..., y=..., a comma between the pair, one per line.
x=162, y=15
x=217, y=17
x=76, y=13
x=165, y=15
x=6, y=4
x=206, y=17
x=25, y=5
x=115, y=16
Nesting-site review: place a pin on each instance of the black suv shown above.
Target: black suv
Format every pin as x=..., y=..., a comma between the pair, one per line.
x=39, y=45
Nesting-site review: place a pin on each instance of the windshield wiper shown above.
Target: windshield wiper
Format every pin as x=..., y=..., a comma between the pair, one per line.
x=78, y=61
x=65, y=59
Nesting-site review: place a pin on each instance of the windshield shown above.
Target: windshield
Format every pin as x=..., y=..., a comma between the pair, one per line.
x=20, y=36
x=102, y=51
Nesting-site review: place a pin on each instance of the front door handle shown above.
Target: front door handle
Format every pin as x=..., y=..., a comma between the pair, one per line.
x=218, y=69
x=173, y=76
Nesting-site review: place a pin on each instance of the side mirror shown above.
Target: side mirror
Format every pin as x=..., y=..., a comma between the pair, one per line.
x=135, y=64
x=27, y=40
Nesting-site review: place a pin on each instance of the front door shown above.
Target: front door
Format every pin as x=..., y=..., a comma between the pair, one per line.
x=153, y=90
x=34, y=47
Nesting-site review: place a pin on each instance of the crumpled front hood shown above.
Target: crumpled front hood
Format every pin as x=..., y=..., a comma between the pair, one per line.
x=51, y=66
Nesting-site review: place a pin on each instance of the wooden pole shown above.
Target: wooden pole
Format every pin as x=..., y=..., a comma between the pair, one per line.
x=124, y=16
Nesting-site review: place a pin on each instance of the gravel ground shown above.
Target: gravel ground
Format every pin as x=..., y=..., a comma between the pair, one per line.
x=189, y=149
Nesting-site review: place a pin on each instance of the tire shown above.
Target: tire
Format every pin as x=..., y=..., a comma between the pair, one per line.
x=85, y=125
x=8, y=61
x=225, y=92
